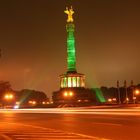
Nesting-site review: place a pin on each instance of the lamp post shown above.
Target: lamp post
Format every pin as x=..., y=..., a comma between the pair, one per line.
x=126, y=95
x=110, y=100
x=8, y=98
x=132, y=88
x=68, y=94
x=135, y=93
x=119, y=96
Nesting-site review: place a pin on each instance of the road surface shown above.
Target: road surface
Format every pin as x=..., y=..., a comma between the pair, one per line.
x=70, y=124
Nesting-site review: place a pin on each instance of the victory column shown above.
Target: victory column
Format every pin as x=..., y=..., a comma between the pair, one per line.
x=72, y=84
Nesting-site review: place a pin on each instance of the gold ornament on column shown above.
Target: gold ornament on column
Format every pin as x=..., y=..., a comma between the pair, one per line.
x=70, y=13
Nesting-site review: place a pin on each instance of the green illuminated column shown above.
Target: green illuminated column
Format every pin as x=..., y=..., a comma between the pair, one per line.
x=71, y=58
x=71, y=54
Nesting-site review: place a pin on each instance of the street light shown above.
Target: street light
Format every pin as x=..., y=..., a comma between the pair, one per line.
x=126, y=94
x=32, y=102
x=8, y=99
x=136, y=92
x=110, y=100
x=8, y=96
x=127, y=99
x=68, y=94
x=65, y=94
x=119, y=94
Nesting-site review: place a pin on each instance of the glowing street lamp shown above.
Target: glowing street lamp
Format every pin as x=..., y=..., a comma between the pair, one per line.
x=8, y=96
x=65, y=94
x=71, y=94
x=43, y=103
x=110, y=100
x=68, y=94
x=136, y=92
x=8, y=99
x=32, y=102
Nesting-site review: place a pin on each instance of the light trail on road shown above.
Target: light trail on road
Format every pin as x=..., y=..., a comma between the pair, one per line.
x=76, y=123
x=129, y=112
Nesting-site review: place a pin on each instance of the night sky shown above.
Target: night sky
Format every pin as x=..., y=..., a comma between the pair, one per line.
x=33, y=42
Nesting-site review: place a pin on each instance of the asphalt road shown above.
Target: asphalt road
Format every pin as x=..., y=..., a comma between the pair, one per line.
x=70, y=124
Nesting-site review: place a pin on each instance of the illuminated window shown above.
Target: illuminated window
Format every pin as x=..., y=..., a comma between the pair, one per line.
x=82, y=82
x=78, y=81
x=74, y=81
x=69, y=82
x=65, y=82
x=62, y=81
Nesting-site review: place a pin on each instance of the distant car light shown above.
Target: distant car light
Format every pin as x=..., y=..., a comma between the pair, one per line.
x=16, y=107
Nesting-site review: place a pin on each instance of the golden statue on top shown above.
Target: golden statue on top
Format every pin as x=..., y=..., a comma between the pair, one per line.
x=69, y=12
